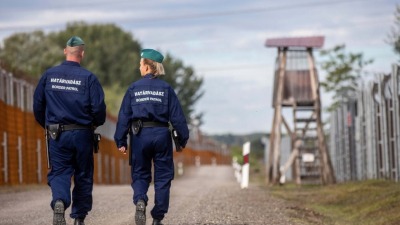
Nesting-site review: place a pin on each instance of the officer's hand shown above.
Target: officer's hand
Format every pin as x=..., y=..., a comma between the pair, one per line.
x=122, y=149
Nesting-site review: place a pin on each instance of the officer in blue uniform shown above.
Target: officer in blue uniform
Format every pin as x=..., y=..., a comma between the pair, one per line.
x=69, y=104
x=148, y=107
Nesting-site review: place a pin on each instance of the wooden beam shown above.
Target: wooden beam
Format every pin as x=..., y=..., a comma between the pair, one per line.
x=273, y=170
x=291, y=133
x=292, y=158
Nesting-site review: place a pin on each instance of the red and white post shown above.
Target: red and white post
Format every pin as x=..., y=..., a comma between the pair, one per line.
x=246, y=165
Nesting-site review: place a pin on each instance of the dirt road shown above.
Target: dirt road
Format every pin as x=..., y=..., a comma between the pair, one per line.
x=203, y=196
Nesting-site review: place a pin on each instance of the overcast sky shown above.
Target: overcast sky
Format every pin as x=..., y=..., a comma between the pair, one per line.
x=223, y=40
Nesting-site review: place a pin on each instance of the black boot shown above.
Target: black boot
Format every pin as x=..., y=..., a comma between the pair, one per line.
x=59, y=213
x=79, y=221
x=140, y=215
x=157, y=222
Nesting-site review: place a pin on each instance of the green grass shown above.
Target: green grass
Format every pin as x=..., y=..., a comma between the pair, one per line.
x=367, y=202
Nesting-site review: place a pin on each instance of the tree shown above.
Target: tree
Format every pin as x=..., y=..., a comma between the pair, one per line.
x=186, y=83
x=343, y=71
x=110, y=53
x=394, y=35
x=30, y=53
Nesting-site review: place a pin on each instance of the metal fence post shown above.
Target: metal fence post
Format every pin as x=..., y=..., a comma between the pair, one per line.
x=39, y=160
x=3, y=85
x=112, y=170
x=5, y=155
x=99, y=168
x=19, y=149
x=121, y=171
x=396, y=116
x=107, y=168
x=11, y=90
x=371, y=133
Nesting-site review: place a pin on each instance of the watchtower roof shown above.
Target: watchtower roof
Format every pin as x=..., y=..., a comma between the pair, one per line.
x=307, y=42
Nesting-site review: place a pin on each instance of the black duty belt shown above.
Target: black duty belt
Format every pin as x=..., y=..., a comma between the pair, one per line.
x=54, y=130
x=75, y=127
x=154, y=124
x=139, y=124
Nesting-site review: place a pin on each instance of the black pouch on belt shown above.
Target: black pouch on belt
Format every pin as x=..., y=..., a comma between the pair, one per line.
x=96, y=140
x=137, y=127
x=175, y=138
x=54, y=130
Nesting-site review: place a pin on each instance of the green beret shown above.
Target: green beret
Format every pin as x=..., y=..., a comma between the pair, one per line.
x=152, y=54
x=75, y=41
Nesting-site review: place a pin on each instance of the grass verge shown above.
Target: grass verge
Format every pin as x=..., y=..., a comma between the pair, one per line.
x=368, y=202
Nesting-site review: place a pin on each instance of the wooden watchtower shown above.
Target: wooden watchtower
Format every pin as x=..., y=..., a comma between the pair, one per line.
x=296, y=86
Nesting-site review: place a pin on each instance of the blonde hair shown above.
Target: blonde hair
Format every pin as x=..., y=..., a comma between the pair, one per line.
x=156, y=68
x=75, y=51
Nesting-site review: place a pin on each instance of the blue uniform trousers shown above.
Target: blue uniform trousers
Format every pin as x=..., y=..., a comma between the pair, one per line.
x=72, y=155
x=152, y=144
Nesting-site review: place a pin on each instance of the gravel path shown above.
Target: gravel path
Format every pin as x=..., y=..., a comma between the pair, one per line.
x=206, y=195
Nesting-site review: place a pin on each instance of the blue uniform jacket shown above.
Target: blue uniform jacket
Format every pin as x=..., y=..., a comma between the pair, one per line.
x=150, y=99
x=69, y=94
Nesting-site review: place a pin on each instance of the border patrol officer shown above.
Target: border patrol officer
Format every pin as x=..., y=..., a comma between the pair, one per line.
x=69, y=103
x=149, y=105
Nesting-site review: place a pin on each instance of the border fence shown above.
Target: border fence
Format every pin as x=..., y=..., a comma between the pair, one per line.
x=365, y=131
x=23, y=147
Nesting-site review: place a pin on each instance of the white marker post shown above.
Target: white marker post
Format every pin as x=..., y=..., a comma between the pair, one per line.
x=246, y=165
x=238, y=169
